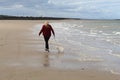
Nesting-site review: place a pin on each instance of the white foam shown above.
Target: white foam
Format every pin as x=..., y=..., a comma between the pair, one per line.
x=81, y=26
x=113, y=72
x=93, y=34
x=100, y=31
x=108, y=40
x=116, y=33
x=117, y=55
x=105, y=34
x=111, y=53
x=90, y=60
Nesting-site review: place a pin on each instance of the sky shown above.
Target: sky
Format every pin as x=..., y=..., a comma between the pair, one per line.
x=86, y=9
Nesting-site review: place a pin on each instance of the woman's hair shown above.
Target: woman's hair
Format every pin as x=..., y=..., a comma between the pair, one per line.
x=46, y=23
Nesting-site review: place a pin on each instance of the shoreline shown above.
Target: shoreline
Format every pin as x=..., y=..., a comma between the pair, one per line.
x=20, y=60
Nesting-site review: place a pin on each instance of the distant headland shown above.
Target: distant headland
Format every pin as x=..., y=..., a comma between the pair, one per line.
x=7, y=17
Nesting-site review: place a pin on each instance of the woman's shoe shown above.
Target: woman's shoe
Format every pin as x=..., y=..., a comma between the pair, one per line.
x=47, y=50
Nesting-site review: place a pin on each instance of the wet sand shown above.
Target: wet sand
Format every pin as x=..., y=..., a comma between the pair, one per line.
x=22, y=56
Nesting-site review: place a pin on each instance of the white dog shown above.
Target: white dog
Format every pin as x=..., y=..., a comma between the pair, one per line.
x=60, y=49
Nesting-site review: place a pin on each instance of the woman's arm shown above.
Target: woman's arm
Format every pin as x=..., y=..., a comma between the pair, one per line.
x=53, y=31
x=41, y=30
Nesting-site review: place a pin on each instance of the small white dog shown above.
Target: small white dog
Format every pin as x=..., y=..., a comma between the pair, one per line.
x=60, y=49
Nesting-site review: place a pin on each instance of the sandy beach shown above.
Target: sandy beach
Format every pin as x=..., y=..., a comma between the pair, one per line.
x=22, y=56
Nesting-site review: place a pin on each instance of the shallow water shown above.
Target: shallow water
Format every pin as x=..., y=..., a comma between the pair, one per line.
x=87, y=44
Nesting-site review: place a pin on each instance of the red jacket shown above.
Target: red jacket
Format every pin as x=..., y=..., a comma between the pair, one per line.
x=46, y=30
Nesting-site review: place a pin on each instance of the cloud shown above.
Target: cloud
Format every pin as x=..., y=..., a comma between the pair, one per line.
x=17, y=6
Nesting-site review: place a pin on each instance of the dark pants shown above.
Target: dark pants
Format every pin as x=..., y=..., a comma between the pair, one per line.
x=46, y=42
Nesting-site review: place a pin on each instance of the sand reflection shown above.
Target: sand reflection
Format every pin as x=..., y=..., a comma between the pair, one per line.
x=46, y=61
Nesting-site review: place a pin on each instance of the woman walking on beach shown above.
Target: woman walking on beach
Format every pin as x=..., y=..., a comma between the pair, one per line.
x=46, y=31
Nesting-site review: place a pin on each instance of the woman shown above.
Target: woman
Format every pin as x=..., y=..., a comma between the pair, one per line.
x=46, y=30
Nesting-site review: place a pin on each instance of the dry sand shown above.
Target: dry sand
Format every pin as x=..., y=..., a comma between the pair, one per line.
x=21, y=60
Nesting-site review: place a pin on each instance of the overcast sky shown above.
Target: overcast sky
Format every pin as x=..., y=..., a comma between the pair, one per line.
x=90, y=9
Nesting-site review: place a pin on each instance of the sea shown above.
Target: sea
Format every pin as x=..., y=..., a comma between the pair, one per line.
x=86, y=44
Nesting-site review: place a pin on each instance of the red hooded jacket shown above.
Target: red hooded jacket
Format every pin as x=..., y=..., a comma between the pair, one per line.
x=46, y=30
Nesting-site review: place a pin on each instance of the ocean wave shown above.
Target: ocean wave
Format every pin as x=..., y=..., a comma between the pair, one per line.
x=106, y=34
x=116, y=33
x=115, y=72
x=83, y=59
x=113, y=54
x=90, y=60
